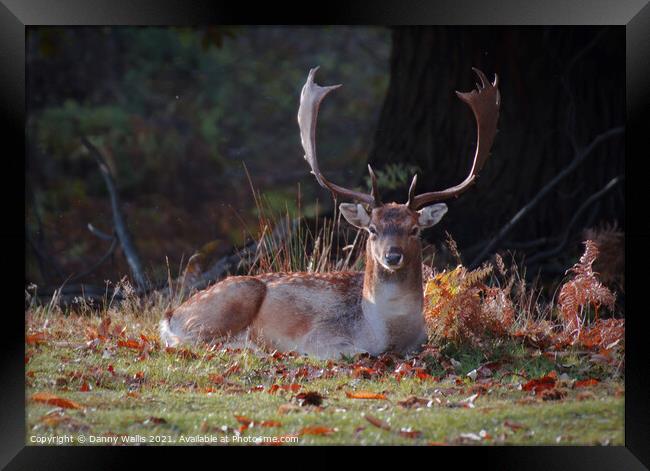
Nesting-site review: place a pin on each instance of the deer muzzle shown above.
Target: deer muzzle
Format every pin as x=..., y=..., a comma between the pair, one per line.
x=394, y=257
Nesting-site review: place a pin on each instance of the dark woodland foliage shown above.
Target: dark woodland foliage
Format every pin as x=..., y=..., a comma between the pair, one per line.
x=178, y=111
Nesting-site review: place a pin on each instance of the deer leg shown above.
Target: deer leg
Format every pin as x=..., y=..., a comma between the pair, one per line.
x=221, y=312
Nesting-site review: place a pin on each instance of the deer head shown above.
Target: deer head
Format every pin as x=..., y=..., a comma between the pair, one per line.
x=394, y=228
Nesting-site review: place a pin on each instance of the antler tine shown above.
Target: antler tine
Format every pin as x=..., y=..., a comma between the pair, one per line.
x=484, y=102
x=310, y=98
x=375, y=190
x=412, y=190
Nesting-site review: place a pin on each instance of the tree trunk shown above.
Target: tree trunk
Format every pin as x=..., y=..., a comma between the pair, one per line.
x=557, y=85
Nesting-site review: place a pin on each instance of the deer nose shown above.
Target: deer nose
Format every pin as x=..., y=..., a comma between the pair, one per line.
x=393, y=257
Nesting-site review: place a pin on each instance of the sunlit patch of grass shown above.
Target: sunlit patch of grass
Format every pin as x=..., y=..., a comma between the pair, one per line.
x=200, y=391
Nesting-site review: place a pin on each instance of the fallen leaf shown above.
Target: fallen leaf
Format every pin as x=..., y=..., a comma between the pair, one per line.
x=585, y=383
x=242, y=419
x=377, y=422
x=130, y=343
x=414, y=401
x=54, y=400
x=36, y=338
x=52, y=420
x=364, y=395
x=154, y=420
x=553, y=394
x=118, y=330
x=363, y=372
x=540, y=384
x=513, y=425
x=408, y=433
x=84, y=387
x=233, y=369
x=585, y=395
x=287, y=408
x=293, y=387
x=103, y=328
x=216, y=378
x=310, y=398
x=317, y=430
x=302, y=372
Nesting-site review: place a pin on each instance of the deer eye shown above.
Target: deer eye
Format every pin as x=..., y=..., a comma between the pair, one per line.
x=372, y=230
x=415, y=231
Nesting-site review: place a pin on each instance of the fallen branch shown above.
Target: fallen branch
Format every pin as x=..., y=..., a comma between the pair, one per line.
x=99, y=262
x=227, y=264
x=121, y=231
x=565, y=237
x=579, y=158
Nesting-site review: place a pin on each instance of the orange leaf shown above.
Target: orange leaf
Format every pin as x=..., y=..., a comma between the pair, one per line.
x=242, y=419
x=541, y=384
x=217, y=379
x=51, y=399
x=119, y=330
x=377, y=422
x=130, y=343
x=363, y=372
x=316, y=430
x=293, y=387
x=513, y=425
x=84, y=387
x=585, y=383
x=364, y=395
x=103, y=327
x=233, y=369
x=91, y=333
x=36, y=339
x=408, y=433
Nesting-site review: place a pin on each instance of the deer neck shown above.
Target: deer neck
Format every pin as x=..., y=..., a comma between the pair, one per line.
x=404, y=282
x=392, y=303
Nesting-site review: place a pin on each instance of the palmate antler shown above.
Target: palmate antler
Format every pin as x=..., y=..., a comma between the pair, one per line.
x=310, y=97
x=484, y=102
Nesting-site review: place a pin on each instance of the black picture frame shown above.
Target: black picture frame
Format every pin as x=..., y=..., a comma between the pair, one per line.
x=633, y=15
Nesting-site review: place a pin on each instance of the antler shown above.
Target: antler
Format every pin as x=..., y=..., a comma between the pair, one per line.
x=310, y=97
x=484, y=102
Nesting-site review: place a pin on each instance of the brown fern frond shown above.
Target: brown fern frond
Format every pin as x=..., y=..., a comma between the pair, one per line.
x=583, y=290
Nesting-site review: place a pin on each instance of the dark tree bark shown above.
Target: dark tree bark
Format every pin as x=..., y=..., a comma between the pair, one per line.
x=560, y=87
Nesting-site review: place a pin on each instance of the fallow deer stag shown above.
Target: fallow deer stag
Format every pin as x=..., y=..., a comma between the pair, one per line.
x=329, y=314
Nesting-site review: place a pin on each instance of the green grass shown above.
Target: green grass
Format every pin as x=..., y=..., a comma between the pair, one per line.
x=169, y=396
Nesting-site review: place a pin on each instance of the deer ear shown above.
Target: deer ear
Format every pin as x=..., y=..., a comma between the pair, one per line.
x=431, y=215
x=355, y=214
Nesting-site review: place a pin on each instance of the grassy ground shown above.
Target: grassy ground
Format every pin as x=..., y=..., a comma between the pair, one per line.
x=115, y=382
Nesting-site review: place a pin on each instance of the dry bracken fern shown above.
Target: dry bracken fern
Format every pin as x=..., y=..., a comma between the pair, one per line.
x=461, y=308
x=583, y=290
